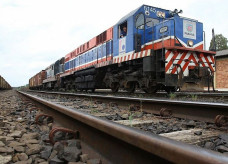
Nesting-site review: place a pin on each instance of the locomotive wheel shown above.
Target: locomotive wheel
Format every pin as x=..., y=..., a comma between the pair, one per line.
x=115, y=87
x=131, y=88
x=150, y=90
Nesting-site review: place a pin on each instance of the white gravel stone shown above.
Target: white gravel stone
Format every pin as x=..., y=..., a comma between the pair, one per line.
x=33, y=149
x=1, y=144
x=6, y=150
x=5, y=159
x=15, y=134
x=22, y=157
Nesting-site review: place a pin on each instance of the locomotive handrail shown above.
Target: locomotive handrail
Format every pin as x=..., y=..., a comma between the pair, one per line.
x=190, y=49
x=175, y=32
x=144, y=29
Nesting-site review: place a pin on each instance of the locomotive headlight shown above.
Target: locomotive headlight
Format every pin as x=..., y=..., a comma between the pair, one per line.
x=190, y=43
x=163, y=15
x=159, y=13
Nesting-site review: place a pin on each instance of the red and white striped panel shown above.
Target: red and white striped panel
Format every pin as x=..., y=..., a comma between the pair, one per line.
x=186, y=60
x=131, y=56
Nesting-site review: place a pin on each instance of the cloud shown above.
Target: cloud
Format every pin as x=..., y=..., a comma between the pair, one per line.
x=35, y=33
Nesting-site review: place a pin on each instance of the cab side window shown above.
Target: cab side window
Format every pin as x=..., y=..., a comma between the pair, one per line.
x=123, y=30
x=139, y=21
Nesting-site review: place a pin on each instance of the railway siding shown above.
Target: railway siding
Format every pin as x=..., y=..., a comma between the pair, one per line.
x=204, y=111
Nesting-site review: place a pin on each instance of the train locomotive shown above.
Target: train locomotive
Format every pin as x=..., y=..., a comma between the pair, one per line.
x=159, y=50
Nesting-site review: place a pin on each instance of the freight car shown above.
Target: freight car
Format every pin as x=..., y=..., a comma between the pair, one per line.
x=36, y=82
x=4, y=84
x=150, y=48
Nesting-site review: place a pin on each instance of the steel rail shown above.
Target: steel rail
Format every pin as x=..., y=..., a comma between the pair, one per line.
x=121, y=144
x=196, y=95
x=203, y=111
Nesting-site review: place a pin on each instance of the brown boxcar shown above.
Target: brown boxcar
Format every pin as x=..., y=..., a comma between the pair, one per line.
x=36, y=82
x=4, y=84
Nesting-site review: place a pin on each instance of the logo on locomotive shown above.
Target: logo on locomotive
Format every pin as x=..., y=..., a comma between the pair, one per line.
x=189, y=29
x=122, y=45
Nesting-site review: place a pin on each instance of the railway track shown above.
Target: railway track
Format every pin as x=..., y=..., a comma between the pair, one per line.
x=221, y=97
x=134, y=145
x=196, y=110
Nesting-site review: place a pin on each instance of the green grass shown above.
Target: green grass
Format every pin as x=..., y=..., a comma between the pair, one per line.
x=194, y=97
x=131, y=117
x=94, y=111
x=172, y=96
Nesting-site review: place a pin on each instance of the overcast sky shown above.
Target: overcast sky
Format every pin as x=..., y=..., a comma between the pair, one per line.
x=35, y=33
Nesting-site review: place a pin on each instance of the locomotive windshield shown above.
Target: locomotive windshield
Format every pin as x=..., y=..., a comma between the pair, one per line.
x=139, y=23
x=150, y=22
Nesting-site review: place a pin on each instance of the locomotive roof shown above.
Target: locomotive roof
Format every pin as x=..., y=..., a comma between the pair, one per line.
x=133, y=12
x=128, y=15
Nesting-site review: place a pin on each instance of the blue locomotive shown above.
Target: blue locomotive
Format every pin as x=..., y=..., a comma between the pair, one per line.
x=150, y=49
